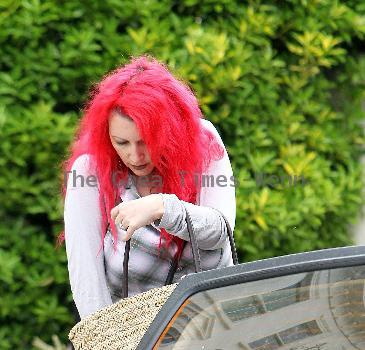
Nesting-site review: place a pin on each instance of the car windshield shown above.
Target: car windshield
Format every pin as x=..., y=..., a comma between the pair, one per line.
x=307, y=311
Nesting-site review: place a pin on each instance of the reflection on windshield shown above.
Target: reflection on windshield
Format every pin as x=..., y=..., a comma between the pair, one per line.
x=321, y=310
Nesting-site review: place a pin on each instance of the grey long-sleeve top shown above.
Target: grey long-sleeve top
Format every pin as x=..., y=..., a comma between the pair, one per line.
x=95, y=279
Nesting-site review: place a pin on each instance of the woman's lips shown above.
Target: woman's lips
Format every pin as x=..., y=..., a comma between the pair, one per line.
x=139, y=167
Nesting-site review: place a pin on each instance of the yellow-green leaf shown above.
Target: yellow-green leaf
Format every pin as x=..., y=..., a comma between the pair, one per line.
x=261, y=222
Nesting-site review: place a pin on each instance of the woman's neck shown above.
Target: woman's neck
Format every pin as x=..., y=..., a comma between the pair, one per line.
x=149, y=184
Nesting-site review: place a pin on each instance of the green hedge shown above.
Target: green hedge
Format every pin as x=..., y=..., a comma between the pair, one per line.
x=282, y=81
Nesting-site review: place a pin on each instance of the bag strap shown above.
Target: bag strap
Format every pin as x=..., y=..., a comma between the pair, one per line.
x=125, y=269
x=173, y=267
x=231, y=239
x=194, y=243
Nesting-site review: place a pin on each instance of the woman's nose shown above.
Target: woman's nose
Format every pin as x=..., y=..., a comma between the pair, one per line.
x=136, y=155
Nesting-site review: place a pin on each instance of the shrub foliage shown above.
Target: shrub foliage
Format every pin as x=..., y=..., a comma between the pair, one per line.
x=282, y=81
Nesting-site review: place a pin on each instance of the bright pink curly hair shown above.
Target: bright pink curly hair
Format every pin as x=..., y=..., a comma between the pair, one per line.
x=167, y=115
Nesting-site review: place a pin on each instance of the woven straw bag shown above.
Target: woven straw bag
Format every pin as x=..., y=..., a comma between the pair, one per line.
x=123, y=324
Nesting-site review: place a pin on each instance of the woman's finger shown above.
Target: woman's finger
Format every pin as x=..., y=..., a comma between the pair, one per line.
x=119, y=220
x=114, y=212
x=130, y=232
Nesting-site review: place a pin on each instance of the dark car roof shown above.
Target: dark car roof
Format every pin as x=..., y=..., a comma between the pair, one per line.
x=246, y=272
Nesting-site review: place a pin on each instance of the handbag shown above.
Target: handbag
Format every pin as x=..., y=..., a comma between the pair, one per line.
x=123, y=324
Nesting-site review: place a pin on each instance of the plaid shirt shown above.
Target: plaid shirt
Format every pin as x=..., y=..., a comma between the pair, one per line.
x=96, y=280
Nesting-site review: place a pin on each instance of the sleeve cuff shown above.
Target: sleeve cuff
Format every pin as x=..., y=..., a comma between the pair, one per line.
x=172, y=207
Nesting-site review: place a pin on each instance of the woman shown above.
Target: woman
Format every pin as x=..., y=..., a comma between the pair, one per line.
x=143, y=153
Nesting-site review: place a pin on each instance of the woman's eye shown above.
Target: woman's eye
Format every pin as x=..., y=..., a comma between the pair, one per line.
x=121, y=143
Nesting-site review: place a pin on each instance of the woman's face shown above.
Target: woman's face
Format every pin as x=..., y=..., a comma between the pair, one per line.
x=127, y=142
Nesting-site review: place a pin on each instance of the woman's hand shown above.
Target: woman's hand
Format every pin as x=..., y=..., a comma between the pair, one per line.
x=137, y=213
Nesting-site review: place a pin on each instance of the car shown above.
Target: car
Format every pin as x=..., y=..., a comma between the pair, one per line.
x=305, y=301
